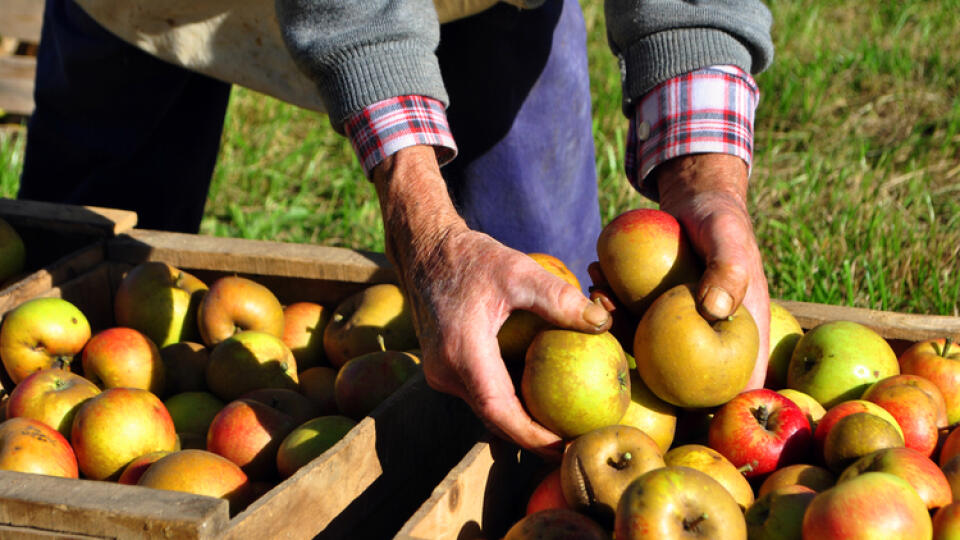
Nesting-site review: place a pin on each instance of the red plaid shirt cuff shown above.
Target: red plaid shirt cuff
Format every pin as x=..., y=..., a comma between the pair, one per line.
x=387, y=126
x=710, y=110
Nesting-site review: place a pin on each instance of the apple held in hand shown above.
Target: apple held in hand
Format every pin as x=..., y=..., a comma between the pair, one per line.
x=762, y=431
x=871, y=506
x=51, y=396
x=123, y=357
x=235, y=304
x=30, y=446
x=115, y=427
x=837, y=360
x=250, y=360
x=41, y=333
x=161, y=301
x=688, y=361
x=937, y=360
x=574, y=382
x=201, y=473
x=643, y=253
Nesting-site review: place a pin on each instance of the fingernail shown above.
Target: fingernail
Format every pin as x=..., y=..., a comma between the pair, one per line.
x=717, y=303
x=595, y=315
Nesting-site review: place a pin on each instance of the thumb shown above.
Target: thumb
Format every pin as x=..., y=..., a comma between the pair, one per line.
x=563, y=305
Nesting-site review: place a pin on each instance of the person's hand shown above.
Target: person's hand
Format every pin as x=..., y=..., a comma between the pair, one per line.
x=462, y=285
x=707, y=193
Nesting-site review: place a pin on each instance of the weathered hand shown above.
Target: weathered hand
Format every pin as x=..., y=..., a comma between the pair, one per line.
x=707, y=193
x=462, y=285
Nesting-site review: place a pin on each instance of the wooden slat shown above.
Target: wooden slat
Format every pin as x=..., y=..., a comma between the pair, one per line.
x=43, y=280
x=888, y=324
x=21, y=19
x=91, y=220
x=16, y=84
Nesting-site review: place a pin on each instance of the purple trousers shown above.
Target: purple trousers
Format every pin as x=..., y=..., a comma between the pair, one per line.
x=116, y=127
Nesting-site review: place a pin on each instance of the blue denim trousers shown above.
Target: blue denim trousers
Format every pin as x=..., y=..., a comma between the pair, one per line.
x=116, y=127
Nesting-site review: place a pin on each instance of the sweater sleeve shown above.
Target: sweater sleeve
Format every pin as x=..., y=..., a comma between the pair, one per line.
x=360, y=52
x=656, y=40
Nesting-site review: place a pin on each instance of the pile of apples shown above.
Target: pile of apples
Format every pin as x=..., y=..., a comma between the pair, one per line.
x=217, y=390
x=848, y=439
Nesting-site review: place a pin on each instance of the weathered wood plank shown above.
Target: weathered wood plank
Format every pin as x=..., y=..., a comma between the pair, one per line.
x=22, y=19
x=888, y=324
x=76, y=219
x=41, y=281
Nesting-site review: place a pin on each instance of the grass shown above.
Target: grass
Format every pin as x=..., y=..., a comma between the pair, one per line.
x=854, y=190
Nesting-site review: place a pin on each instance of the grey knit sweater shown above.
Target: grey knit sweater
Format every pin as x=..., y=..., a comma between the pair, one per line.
x=362, y=51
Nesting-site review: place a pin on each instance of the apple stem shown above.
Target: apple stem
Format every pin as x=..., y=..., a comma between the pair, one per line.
x=762, y=414
x=746, y=468
x=381, y=342
x=946, y=346
x=60, y=362
x=623, y=461
x=695, y=522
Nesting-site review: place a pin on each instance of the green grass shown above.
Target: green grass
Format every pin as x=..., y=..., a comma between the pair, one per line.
x=854, y=191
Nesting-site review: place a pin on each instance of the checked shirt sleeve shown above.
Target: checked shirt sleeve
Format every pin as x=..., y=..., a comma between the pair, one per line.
x=710, y=110
x=387, y=126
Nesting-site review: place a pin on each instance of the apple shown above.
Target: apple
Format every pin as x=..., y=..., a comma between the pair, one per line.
x=870, y=506
x=708, y=460
x=598, y=465
x=623, y=322
x=317, y=384
x=13, y=253
x=51, y=396
x=41, y=333
x=946, y=522
x=30, y=446
x=363, y=319
x=548, y=494
x=161, y=301
x=116, y=426
x=134, y=470
x=855, y=436
x=574, y=382
x=951, y=470
x=367, y=380
x=785, y=332
x=556, y=523
x=918, y=411
x=192, y=413
x=688, y=361
x=289, y=402
x=838, y=411
x=937, y=360
x=813, y=410
x=778, y=514
x=201, y=473
x=913, y=466
x=124, y=357
x=303, y=325
x=235, y=304
x=760, y=430
x=249, y=360
x=678, y=502
x=646, y=411
x=803, y=474
x=654, y=238
x=248, y=433
x=308, y=440
x=837, y=360
x=185, y=364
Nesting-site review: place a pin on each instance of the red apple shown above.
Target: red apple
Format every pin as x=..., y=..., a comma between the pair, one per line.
x=41, y=333
x=303, y=327
x=161, y=301
x=914, y=467
x=249, y=360
x=123, y=357
x=937, y=360
x=951, y=446
x=248, y=433
x=846, y=408
x=235, y=304
x=918, y=411
x=762, y=430
x=287, y=401
x=202, y=473
x=30, y=446
x=51, y=396
x=134, y=470
x=870, y=506
x=654, y=237
x=946, y=522
x=309, y=440
x=118, y=425
x=556, y=523
x=548, y=494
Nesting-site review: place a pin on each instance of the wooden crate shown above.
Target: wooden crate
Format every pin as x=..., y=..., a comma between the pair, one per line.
x=486, y=492
x=365, y=486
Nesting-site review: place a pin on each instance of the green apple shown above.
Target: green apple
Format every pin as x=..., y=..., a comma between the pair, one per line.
x=41, y=333
x=837, y=360
x=12, y=252
x=361, y=321
x=785, y=332
x=161, y=301
x=192, y=413
x=309, y=440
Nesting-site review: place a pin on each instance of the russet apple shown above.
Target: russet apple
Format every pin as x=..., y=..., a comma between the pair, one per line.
x=855, y=436
x=363, y=319
x=574, y=382
x=247, y=361
x=201, y=473
x=918, y=411
x=840, y=410
x=303, y=325
x=647, y=412
x=248, y=433
x=13, y=253
x=808, y=475
x=308, y=440
x=937, y=360
x=30, y=446
x=236, y=304
x=785, y=332
x=778, y=514
x=837, y=360
x=51, y=396
x=161, y=301
x=41, y=333
x=708, y=460
x=946, y=523
x=116, y=426
x=643, y=253
x=557, y=523
x=123, y=357
x=688, y=361
x=917, y=469
x=365, y=381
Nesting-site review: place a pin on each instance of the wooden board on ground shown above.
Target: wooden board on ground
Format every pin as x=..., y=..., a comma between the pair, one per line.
x=21, y=22
x=366, y=486
x=487, y=491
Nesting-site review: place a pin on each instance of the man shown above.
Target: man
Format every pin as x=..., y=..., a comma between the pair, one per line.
x=518, y=95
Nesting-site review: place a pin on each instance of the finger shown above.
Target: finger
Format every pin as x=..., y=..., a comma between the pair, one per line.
x=757, y=302
x=558, y=302
x=596, y=274
x=730, y=253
